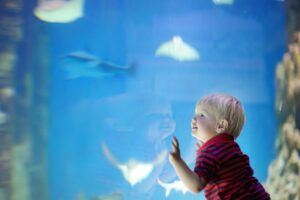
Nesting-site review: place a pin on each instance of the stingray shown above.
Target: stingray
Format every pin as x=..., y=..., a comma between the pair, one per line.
x=176, y=185
x=134, y=171
x=178, y=50
x=82, y=64
x=59, y=11
x=225, y=2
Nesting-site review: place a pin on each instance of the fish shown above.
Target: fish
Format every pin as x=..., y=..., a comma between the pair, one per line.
x=176, y=185
x=59, y=11
x=224, y=2
x=178, y=50
x=82, y=64
x=134, y=171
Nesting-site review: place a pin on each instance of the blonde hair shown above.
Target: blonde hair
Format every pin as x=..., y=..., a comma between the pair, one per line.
x=224, y=106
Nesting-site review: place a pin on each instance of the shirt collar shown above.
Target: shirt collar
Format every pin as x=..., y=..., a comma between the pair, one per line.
x=222, y=137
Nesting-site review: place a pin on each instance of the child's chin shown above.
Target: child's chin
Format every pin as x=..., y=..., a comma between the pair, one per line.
x=197, y=137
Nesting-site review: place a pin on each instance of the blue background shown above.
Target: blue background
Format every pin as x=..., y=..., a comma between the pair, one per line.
x=239, y=47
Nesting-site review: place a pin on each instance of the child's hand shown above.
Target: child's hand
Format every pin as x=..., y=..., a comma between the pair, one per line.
x=175, y=153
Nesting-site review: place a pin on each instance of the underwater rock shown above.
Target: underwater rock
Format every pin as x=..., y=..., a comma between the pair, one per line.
x=7, y=59
x=284, y=171
x=10, y=21
x=293, y=18
x=81, y=196
x=22, y=176
x=6, y=93
x=2, y=194
x=20, y=158
x=3, y=117
x=112, y=196
x=10, y=34
x=11, y=27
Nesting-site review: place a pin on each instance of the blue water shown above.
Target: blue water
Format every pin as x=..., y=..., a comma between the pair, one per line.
x=239, y=47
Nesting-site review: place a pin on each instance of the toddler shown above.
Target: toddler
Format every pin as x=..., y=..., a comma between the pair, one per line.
x=221, y=169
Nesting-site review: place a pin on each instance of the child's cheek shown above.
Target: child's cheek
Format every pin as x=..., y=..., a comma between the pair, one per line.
x=204, y=125
x=201, y=125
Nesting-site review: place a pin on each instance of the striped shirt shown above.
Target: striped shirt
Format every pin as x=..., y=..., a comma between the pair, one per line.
x=227, y=171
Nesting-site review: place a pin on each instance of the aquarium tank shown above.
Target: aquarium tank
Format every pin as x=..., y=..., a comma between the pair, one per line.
x=92, y=93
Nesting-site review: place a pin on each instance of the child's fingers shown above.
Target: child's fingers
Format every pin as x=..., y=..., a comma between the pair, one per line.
x=174, y=147
x=175, y=141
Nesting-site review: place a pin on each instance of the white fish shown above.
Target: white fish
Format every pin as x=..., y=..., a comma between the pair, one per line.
x=176, y=185
x=178, y=50
x=225, y=2
x=134, y=171
x=59, y=11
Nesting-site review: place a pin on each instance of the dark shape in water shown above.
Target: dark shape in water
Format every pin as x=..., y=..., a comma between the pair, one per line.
x=82, y=64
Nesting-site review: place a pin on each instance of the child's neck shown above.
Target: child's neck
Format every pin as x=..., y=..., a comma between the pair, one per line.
x=210, y=136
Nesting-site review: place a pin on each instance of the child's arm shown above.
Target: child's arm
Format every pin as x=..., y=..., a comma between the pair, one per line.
x=189, y=178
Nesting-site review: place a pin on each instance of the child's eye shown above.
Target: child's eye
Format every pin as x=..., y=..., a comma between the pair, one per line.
x=199, y=116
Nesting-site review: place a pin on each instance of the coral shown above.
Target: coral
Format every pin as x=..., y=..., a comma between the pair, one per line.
x=12, y=27
x=22, y=176
x=112, y=196
x=10, y=20
x=293, y=18
x=2, y=194
x=6, y=93
x=81, y=196
x=20, y=157
x=284, y=171
x=7, y=62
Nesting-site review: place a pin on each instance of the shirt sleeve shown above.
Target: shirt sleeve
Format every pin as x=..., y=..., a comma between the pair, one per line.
x=206, y=166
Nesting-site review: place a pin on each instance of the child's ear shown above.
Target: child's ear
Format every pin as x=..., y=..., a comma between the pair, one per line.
x=222, y=126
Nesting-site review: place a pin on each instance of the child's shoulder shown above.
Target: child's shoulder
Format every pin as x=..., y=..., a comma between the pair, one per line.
x=220, y=148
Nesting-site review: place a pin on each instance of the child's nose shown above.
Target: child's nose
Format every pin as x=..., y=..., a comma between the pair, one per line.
x=193, y=120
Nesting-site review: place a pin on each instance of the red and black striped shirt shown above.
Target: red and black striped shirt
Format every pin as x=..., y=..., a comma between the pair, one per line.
x=227, y=171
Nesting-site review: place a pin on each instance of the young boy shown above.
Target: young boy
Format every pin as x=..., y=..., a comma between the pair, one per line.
x=221, y=169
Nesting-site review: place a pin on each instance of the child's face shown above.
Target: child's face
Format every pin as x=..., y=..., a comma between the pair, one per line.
x=160, y=122
x=203, y=124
